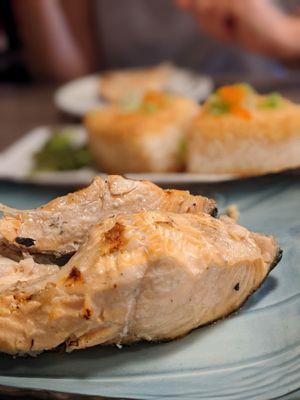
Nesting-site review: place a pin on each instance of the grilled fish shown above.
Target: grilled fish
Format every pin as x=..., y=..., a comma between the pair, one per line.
x=61, y=226
x=149, y=276
x=15, y=274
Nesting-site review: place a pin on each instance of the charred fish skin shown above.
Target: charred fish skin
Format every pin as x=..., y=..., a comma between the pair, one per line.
x=26, y=242
x=61, y=226
x=151, y=276
x=214, y=212
x=277, y=259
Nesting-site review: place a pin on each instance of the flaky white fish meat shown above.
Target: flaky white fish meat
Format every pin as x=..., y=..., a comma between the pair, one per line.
x=148, y=276
x=14, y=274
x=62, y=225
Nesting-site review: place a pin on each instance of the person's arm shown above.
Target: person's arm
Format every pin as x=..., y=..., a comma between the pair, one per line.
x=256, y=25
x=57, y=36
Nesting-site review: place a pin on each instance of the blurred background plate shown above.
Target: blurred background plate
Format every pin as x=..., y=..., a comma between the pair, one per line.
x=253, y=354
x=81, y=95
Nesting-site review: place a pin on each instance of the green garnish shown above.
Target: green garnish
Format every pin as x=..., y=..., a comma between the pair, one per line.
x=133, y=102
x=149, y=107
x=247, y=87
x=274, y=100
x=59, y=153
x=182, y=150
x=183, y=146
x=240, y=97
x=216, y=106
x=130, y=102
x=219, y=108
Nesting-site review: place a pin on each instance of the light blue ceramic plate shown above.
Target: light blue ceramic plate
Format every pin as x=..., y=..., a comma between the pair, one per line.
x=254, y=354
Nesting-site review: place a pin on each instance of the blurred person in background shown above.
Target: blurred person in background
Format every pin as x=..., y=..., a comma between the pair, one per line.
x=260, y=26
x=12, y=66
x=64, y=39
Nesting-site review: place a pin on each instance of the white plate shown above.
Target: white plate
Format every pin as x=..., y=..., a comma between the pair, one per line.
x=81, y=95
x=16, y=164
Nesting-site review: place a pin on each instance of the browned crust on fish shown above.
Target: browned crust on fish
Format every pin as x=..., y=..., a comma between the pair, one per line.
x=114, y=239
x=15, y=252
x=13, y=247
x=74, y=277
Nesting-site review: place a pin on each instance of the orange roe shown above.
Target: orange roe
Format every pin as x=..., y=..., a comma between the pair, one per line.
x=154, y=97
x=241, y=112
x=232, y=95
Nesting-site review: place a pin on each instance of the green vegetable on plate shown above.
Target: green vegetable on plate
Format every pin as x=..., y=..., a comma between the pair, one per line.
x=60, y=153
x=274, y=100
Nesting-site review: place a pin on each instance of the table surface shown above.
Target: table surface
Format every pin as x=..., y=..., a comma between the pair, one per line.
x=23, y=108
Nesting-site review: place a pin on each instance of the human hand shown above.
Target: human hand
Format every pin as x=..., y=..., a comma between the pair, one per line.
x=256, y=25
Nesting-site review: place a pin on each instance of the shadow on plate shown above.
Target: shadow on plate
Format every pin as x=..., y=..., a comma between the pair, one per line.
x=268, y=286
